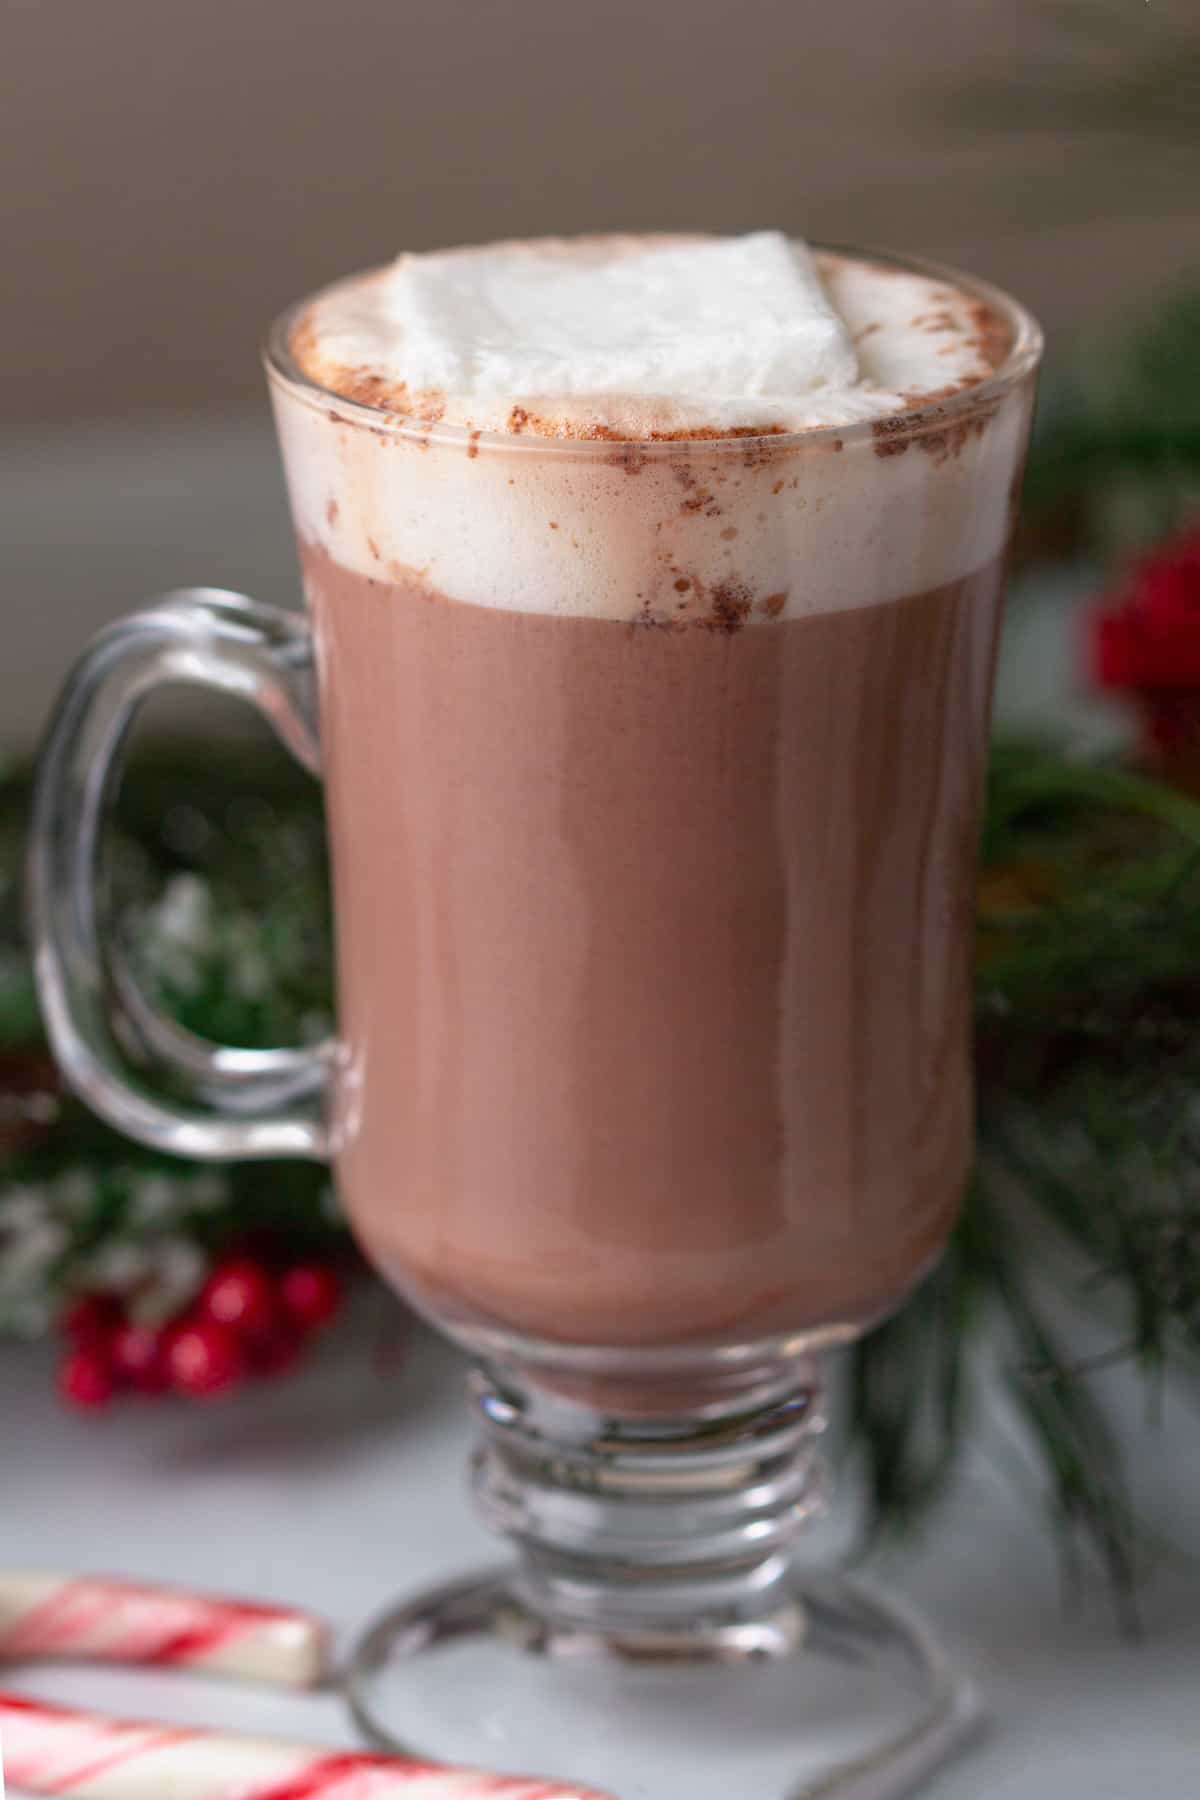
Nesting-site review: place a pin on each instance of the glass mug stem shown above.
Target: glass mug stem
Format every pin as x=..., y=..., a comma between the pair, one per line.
x=653, y=1533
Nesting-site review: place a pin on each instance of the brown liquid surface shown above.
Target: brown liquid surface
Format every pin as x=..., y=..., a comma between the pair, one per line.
x=653, y=954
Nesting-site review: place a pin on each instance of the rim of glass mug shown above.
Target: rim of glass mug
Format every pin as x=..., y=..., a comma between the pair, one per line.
x=1024, y=354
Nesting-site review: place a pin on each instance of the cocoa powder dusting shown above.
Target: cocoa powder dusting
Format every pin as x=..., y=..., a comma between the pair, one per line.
x=629, y=458
x=993, y=337
x=647, y=619
x=888, y=442
x=760, y=451
x=697, y=499
x=943, y=444
x=731, y=603
x=937, y=436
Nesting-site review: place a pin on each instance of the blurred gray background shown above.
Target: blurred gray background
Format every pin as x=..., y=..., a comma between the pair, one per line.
x=175, y=172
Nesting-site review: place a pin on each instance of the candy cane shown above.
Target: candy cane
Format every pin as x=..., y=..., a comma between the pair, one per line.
x=97, y=1620
x=56, y=1750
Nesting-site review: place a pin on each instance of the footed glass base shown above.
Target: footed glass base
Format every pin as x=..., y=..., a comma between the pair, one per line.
x=831, y=1694
x=658, y=1638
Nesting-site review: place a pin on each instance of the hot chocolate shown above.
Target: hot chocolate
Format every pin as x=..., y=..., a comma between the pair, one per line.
x=654, y=739
x=653, y=589
x=653, y=954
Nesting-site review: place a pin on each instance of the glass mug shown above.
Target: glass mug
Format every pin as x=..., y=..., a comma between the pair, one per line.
x=654, y=916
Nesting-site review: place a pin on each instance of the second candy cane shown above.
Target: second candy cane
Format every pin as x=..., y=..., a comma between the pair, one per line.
x=51, y=1750
x=93, y=1619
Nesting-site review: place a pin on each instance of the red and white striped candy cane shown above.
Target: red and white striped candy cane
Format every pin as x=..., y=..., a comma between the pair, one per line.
x=56, y=1750
x=94, y=1619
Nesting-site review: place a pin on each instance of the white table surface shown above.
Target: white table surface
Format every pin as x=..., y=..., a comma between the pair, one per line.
x=343, y=1486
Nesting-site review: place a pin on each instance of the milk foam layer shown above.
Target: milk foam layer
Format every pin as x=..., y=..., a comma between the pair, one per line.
x=551, y=515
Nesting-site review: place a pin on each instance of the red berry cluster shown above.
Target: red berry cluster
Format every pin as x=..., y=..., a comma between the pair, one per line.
x=1146, y=641
x=248, y=1320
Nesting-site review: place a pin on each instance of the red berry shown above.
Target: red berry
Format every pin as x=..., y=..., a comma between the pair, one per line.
x=311, y=1292
x=239, y=1295
x=85, y=1379
x=90, y=1317
x=136, y=1353
x=203, y=1358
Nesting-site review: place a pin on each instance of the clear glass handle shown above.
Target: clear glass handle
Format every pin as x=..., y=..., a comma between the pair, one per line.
x=242, y=1103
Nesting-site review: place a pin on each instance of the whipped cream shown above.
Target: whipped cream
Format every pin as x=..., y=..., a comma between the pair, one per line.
x=561, y=504
x=642, y=337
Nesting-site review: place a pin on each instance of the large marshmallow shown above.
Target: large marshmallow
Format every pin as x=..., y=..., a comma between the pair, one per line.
x=717, y=318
